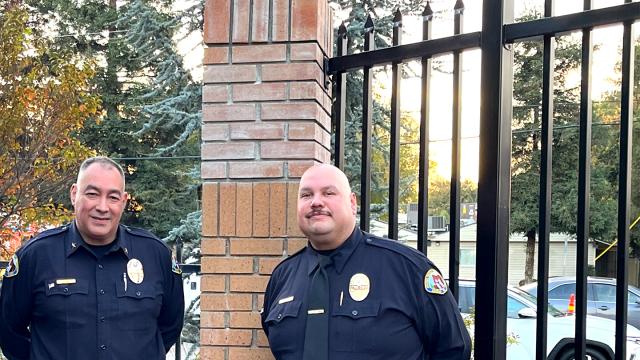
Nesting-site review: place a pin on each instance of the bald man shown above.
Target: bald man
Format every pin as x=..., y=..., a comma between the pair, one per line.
x=351, y=295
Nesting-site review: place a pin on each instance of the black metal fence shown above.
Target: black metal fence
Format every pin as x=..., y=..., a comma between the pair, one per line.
x=494, y=40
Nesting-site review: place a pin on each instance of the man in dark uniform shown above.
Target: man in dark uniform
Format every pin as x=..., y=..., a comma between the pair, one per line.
x=351, y=295
x=92, y=289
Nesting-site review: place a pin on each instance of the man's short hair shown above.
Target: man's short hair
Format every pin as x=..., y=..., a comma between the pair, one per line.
x=103, y=161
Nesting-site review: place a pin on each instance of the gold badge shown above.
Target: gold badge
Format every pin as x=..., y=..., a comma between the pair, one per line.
x=135, y=271
x=359, y=286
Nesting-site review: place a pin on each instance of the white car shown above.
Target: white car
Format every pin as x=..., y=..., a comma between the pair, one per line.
x=521, y=324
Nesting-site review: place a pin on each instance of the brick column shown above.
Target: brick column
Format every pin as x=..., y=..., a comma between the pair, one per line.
x=265, y=120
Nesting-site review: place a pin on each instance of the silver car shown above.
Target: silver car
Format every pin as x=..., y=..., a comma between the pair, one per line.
x=601, y=296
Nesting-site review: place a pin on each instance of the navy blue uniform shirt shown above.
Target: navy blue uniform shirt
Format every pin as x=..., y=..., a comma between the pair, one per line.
x=398, y=319
x=65, y=303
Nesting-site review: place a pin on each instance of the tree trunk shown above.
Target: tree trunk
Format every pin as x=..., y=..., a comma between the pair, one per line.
x=530, y=253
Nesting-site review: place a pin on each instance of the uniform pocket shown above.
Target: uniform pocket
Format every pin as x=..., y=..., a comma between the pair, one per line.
x=139, y=306
x=351, y=325
x=284, y=327
x=65, y=302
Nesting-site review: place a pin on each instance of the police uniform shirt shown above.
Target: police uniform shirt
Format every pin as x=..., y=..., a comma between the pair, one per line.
x=60, y=301
x=392, y=316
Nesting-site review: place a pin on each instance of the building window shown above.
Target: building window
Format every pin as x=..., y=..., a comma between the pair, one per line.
x=468, y=257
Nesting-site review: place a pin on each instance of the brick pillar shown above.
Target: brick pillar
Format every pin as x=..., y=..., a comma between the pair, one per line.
x=265, y=120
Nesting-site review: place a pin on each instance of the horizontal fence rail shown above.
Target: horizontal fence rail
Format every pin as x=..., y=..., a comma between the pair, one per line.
x=498, y=32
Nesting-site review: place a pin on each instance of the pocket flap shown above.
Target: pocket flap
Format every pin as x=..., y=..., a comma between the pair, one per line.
x=356, y=310
x=137, y=291
x=282, y=311
x=80, y=286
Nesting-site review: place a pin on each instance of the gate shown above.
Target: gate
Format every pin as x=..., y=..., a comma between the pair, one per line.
x=494, y=40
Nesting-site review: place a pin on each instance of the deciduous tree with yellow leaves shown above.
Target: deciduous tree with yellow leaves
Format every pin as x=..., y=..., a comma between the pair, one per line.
x=44, y=98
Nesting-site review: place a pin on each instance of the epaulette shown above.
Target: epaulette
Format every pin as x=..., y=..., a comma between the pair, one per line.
x=144, y=233
x=45, y=234
x=413, y=255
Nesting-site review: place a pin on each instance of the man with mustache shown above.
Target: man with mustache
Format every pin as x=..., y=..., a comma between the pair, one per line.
x=92, y=289
x=352, y=295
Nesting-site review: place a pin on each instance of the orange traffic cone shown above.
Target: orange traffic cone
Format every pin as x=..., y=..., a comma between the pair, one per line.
x=572, y=305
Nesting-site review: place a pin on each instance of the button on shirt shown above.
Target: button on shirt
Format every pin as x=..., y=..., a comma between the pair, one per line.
x=393, y=318
x=67, y=303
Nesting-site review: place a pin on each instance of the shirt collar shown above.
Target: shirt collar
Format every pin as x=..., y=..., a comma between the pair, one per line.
x=341, y=255
x=73, y=241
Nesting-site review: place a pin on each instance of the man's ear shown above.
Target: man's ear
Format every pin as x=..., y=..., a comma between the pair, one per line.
x=354, y=204
x=72, y=194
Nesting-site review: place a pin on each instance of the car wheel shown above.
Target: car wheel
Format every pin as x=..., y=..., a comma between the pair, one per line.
x=594, y=354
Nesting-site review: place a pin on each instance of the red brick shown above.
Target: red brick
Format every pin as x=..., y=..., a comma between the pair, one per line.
x=245, y=320
x=212, y=353
x=212, y=170
x=262, y=341
x=244, y=209
x=280, y=20
x=291, y=150
x=215, y=93
x=259, y=92
x=229, y=150
x=229, y=73
x=261, y=209
x=307, y=90
x=295, y=168
x=295, y=244
x=211, y=319
x=257, y=131
x=278, y=209
x=209, y=209
x=260, y=21
x=227, y=209
x=225, y=302
x=252, y=246
x=304, y=20
x=248, y=283
x=215, y=132
x=212, y=283
x=292, y=72
x=259, y=53
x=238, y=353
x=228, y=112
x=266, y=265
x=290, y=111
x=292, y=210
x=227, y=265
x=256, y=169
x=307, y=130
x=240, y=22
x=216, y=21
x=216, y=55
x=232, y=337
x=306, y=52
x=213, y=246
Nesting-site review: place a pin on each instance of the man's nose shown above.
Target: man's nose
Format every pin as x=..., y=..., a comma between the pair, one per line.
x=102, y=204
x=316, y=201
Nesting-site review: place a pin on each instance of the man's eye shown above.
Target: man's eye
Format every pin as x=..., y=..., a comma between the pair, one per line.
x=114, y=198
x=91, y=194
x=305, y=195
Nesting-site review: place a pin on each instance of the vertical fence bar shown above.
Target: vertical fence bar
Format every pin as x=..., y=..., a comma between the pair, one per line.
x=624, y=187
x=456, y=143
x=340, y=96
x=394, y=138
x=423, y=169
x=584, y=181
x=493, y=182
x=544, y=211
x=367, y=113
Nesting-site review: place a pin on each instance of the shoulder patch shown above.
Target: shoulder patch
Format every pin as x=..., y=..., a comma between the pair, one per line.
x=12, y=267
x=175, y=267
x=434, y=283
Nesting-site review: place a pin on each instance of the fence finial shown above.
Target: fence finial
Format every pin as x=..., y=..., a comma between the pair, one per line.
x=459, y=7
x=397, y=18
x=368, y=25
x=342, y=30
x=427, y=14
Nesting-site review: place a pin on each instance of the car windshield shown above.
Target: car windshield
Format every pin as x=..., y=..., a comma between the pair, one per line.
x=551, y=311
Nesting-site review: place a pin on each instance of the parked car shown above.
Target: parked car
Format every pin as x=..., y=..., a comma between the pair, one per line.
x=521, y=323
x=601, y=296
